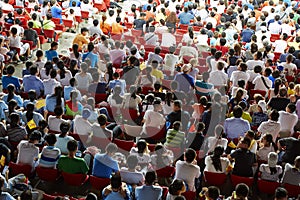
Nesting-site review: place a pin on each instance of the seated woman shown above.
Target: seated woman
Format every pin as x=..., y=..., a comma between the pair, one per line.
x=12, y=108
x=15, y=132
x=63, y=75
x=29, y=115
x=131, y=99
x=63, y=138
x=267, y=146
x=142, y=153
x=271, y=171
x=217, y=140
x=176, y=188
x=115, y=99
x=147, y=79
x=215, y=163
x=54, y=100
x=11, y=95
x=162, y=157
x=15, y=42
x=45, y=72
x=73, y=106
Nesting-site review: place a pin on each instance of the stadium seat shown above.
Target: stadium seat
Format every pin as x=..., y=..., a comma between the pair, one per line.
x=16, y=169
x=134, y=131
x=75, y=179
x=267, y=187
x=99, y=183
x=189, y=195
x=215, y=179
x=55, y=20
x=164, y=175
x=293, y=190
x=123, y=144
x=253, y=92
x=239, y=179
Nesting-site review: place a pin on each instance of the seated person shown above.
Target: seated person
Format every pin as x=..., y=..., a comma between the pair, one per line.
x=28, y=152
x=116, y=190
x=244, y=159
x=291, y=173
x=271, y=171
x=10, y=79
x=100, y=130
x=175, y=137
x=142, y=153
x=149, y=191
x=55, y=121
x=241, y=192
x=50, y=154
x=130, y=175
x=70, y=163
x=104, y=164
x=162, y=157
x=63, y=138
x=215, y=163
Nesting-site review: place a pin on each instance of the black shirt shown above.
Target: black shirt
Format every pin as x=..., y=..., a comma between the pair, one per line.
x=195, y=140
x=278, y=103
x=181, y=116
x=31, y=35
x=244, y=160
x=139, y=23
x=292, y=150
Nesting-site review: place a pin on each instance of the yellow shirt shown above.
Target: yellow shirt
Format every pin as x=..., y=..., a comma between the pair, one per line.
x=116, y=28
x=158, y=74
x=80, y=40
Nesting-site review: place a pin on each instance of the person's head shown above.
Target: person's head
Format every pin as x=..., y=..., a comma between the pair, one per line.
x=54, y=45
x=50, y=139
x=14, y=31
x=237, y=111
x=64, y=127
x=35, y=137
x=283, y=92
x=53, y=73
x=72, y=146
x=15, y=118
x=289, y=58
x=115, y=181
x=200, y=126
x=218, y=151
x=90, y=47
x=150, y=177
x=244, y=143
x=26, y=195
x=177, y=104
x=111, y=149
x=177, y=187
x=190, y=155
x=177, y=125
x=91, y=196
x=39, y=53
x=33, y=70
x=281, y=194
x=291, y=108
x=205, y=76
x=213, y=193
x=297, y=162
x=220, y=66
x=102, y=119
x=274, y=115
x=243, y=67
x=132, y=161
x=242, y=191
x=250, y=134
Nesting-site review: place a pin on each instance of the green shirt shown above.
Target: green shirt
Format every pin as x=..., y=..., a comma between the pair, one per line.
x=72, y=165
x=174, y=138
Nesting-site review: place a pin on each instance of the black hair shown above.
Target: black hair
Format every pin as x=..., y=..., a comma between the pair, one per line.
x=115, y=181
x=190, y=155
x=64, y=128
x=218, y=152
x=72, y=145
x=50, y=139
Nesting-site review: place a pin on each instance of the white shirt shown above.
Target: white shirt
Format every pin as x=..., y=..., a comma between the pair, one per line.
x=285, y=28
x=49, y=85
x=280, y=46
x=212, y=20
x=275, y=28
x=187, y=172
x=212, y=142
x=153, y=119
x=83, y=82
x=259, y=84
x=170, y=62
x=209, y=167
x=66, y=80
x=218, y=78
x=237, y=75
x=27, y=153
x=252, y=63
x=287, y=121
x=81, y=126
x=168, y=39
x=54, y=123
x=269, y=127
x=290, y=67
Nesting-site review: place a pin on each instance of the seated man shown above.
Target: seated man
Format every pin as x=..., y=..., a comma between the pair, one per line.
x=130, y=175
x=149, y=191
x=116, y=190
x=188, y=170
x=291, y=173
x=100, y=130
x=244, y=159
x=175, y=137
x=241, y=192
x=10, y=79
x=28, y=152
x=50, y=154
x=104, y=165
x=70, y=163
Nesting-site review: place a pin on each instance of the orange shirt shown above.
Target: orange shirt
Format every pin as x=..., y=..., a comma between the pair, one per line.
x=80, y=40
x=116, y=28
x=149, y=14
x=105, y=27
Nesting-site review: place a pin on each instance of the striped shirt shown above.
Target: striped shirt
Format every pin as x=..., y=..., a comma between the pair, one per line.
x=174, y=138
x=49, y=157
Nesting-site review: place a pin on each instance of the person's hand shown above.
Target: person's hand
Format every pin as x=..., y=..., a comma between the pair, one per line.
x=107, y=190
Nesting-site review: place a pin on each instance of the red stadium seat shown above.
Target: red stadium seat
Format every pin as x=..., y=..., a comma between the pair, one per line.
x=267, y=187
x=156, y=134
x=99, y=183
x=85, y=14
x=293, y=190
x=253, y=92
x=123, y=144
x=189, y=195
x=75, y=179
x=47, y=174
x=239, y=179
x=99, y=97
x=215, y=179
x=16, y=169
x=55, y=20
x=136, y=33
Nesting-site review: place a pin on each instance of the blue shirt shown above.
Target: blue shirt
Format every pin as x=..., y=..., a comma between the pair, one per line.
x=32, y=82
x=50, y=54
x=148, y=192
x=93, y=58
x=104, y=166
x=112, y=84
x=56, y=12
x=204, y=89
x=6, y=80
x=116, y=196
x=78, y=3
x=3, y=107
x=236, y=127
x=247, y=34
x=16, y=97
x=185, y=18
x=185, y=82
x=51, y=103
x=67, y=93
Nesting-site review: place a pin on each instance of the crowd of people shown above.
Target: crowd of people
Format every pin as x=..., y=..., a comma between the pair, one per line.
x=192, y=86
